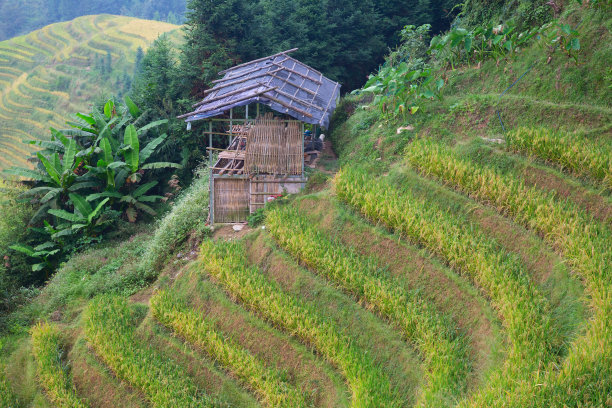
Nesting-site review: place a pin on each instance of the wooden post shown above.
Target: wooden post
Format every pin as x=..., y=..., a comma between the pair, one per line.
x=231, y=126
x=246, y=112
x=210, y=163
x=212, y=199
x=302, y=150
x=257, y=111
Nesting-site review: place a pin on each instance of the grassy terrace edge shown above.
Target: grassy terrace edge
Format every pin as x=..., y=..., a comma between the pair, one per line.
x=443, y=350
x=109, y=327
x=526, y=313
x=52, y=373
x=227, y=263
x=196, y=329
x=584, y=242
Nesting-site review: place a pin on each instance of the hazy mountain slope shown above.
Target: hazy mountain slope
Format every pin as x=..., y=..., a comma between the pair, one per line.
x=50, y=73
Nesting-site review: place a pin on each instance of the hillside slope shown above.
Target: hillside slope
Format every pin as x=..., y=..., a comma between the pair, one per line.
x=447, y=263
x=62, y=68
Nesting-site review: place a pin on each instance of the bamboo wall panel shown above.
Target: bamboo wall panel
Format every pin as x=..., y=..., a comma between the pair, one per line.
x=274, y=147
x=258, y=199
x=231, y=199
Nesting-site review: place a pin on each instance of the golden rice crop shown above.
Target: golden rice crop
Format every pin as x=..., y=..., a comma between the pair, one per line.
x=198, y=330
x=109, y=328
x=525, y=312
x=444, y=351
x=52, y=372
x=585, y=243
x=577, y=154
x=227, y=263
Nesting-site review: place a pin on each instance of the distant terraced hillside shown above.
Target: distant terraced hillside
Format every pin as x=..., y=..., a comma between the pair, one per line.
x=49, y=74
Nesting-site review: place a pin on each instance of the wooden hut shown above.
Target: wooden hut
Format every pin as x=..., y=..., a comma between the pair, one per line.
x=265, y=154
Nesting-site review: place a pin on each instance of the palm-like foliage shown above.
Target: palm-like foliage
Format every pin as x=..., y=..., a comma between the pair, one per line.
x=96, y=165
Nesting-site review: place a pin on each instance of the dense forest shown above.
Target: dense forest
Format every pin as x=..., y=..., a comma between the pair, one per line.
x=22, y=16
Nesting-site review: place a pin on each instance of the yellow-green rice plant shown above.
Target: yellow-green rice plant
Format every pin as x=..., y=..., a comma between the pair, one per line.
x=525, y=312
x=198, y=330
x=52, y=371
x=577, y=154
x=7, y=397
x=443, y=350
x=227, y=263
x=108, y=324
x=585, y=378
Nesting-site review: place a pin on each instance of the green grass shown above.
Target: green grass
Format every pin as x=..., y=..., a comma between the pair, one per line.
x=7, y=397
x=226, y=262
x=187, y=217
x=109, y=327
x=194, y=326
x=585, y=244
x=52, y=370
x=444, y=352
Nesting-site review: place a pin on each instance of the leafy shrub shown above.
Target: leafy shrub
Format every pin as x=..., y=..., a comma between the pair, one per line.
x=188, y=215
x=84, y=172
x=14, y=269
x=257, y=218
x=52, y=370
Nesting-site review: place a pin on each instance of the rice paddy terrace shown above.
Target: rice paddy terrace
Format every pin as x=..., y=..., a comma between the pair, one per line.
x=47, y=75
x=447, y=265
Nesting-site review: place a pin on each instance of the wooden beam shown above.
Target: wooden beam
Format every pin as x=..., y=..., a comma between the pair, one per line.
x=329, y=102
x=240, y=81
x=293, y=98
x=250, y=71
x=244, y=98
x=280, y=181
x=310, y=68
x=216, y=98
x=316, y=81
x=294, y=84
x=258, y=60
x=286, y=105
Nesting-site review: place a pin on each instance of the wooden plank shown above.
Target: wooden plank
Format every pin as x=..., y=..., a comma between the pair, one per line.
x=258, y=60
x=216, y=98
x=286, y=105
x=316, y=81
x=244, y=98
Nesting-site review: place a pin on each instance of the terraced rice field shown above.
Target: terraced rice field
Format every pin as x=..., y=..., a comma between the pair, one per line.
x=47, y=75
x=438, y=282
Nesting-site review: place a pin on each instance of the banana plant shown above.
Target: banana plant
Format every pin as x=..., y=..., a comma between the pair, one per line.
x=46, y=254
x=135, y=159
x=84, y=219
